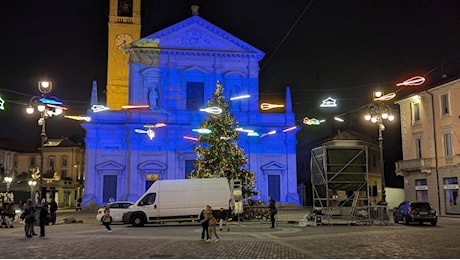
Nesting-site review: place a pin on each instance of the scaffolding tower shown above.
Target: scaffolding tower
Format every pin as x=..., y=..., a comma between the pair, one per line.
x=340, y=182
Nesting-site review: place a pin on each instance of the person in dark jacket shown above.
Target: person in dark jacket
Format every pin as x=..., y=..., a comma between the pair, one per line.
x=29, y=218
x=53, y=209
x=223, y=218
x=43, y=217
x=107, y=219
x=204, y=225
x=273, y=210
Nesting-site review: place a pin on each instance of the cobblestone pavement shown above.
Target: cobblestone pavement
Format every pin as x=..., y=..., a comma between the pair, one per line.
x=244, y=240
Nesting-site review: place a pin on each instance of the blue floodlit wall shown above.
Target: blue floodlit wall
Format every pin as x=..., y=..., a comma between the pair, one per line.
x=120, y=162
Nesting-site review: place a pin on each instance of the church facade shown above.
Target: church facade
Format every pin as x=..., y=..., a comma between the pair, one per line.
x=170, y=75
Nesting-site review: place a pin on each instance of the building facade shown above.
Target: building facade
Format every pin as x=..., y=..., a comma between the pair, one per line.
x=63, y=161
x=430, y=129
x=171, y=76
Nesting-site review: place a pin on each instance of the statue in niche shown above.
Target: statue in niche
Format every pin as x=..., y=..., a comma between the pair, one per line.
x=153, y=98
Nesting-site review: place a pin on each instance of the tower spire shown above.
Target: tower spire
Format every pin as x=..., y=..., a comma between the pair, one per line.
x=288, y=103
x=94, y=94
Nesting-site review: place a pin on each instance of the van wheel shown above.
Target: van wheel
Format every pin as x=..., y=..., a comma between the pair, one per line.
x=138, y=221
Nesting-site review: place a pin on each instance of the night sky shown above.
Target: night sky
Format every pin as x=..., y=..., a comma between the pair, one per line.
x=343, y=49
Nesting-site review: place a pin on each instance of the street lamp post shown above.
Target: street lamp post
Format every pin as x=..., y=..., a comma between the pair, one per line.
x=377, y=113
x=47, y=107
x=32, y=187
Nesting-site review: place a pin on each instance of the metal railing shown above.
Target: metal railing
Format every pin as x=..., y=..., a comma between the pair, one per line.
x=367, y=215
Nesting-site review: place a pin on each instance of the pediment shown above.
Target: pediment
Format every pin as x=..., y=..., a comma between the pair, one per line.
x=197, y=34
x=152, y=165
x=110, y=165
x=273, y=166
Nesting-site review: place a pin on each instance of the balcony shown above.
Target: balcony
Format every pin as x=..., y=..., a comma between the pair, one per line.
x=423, y=165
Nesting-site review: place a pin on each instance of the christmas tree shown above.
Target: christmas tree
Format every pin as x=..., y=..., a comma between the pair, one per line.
x=218, y=154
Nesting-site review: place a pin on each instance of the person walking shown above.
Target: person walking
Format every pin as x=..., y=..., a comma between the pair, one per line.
x=204, y=225
x=29, y=218
x=53, y=209
x=43, y=218
x=273, y=210
x=107, y=219
x=223, y=218
x=78, y=206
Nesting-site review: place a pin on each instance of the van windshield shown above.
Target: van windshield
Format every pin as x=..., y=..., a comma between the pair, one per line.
x=148, y=199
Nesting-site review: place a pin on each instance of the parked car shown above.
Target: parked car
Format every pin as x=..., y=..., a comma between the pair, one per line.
x=117, y=209
x=420, y=211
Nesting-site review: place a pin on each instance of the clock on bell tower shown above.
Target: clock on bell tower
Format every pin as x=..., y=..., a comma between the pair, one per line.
x=124, y=27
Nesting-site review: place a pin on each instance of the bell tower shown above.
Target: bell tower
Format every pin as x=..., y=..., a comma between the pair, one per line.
x=124, y=27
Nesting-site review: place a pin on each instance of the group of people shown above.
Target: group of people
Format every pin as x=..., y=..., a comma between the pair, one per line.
x=209, y=221
x=39, y=212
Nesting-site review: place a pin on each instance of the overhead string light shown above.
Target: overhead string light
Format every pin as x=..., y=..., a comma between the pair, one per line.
x=2, y=104
x=313, y=121
x=79, y=118
x=329, y=102
x=380, y=97
x=99, y=108
x=150, y=133
x=212, y=110
x=240, y=97
x=268, y=106
x=414, y=81
x=190, y=138
x=135, y=106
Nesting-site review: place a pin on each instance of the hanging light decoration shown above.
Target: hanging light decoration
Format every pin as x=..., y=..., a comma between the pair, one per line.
x=329, y=102
x=212, y=110
x=267, y=106
x=414, y=81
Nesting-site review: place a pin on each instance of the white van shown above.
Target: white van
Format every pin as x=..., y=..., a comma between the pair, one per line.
x=178, y=200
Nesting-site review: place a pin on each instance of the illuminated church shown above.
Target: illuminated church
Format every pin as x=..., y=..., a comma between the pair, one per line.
x=164, y=79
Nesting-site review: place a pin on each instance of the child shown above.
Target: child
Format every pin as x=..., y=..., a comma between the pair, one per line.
x=107, y=219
